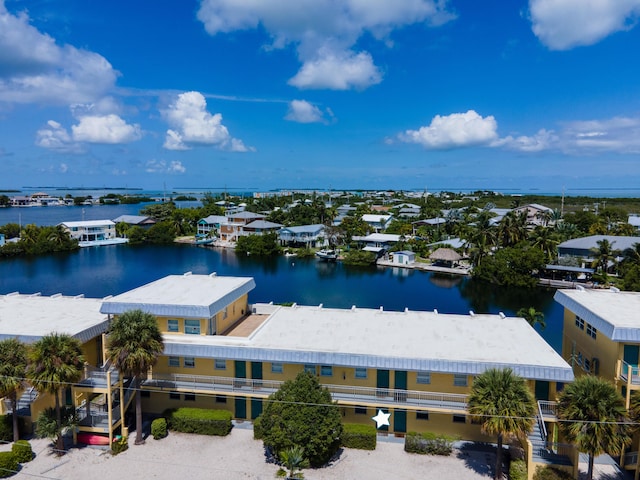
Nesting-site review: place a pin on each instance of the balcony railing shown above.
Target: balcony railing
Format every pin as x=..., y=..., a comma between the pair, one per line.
x=630, y=373
x=340, y=393
x=548, y=409
x=630, y=459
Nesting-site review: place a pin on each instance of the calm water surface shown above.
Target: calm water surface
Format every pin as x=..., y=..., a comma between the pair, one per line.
x=101, y=271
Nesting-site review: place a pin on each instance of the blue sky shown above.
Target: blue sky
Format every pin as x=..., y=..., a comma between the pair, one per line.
x=413, y=94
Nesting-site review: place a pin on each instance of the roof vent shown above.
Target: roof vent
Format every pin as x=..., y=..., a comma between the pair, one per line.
x=213, y=274
x=107, y=297
x=186, y=274
x=79, y=296
x=56, y=295
x=381, y=308
x=614, y=289
x=406, y=309
x=435, y=310
x=37, y=294
x=320, y=306
x=471, y=313
x=502, y=315
x=580, y=288
x=294, y=305
x=353, y=308
x=12, y=294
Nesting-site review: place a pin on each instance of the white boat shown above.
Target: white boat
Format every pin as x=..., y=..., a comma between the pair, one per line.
x=327, y=255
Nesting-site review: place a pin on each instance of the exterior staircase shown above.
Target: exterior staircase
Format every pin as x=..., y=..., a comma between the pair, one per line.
x=541, y=451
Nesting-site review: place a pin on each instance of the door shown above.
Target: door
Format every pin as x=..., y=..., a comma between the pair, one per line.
x=631, y=354
x=240, y=372
x=256, y=373
x=400, y=383
x=400, y=421
x=382, y=383
x=542, y=390
x=256, y=408
x=241, y=407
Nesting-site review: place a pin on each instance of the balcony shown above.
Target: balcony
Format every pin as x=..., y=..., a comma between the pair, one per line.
x=343, y=394
x=630, y=374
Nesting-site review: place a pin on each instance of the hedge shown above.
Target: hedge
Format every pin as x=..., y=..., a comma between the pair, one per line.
x=518, y=470
x=355, y=435
x=549, y=473
x=159, y=428
x=6, y=427
x=199, y=420
x=22, y=451
x=119, y=445
x=257, y=428
x=428, y=443
x=8, y=464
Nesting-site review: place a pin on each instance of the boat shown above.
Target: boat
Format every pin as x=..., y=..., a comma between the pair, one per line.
x=327, y=255
x=92, y=439
x=200, y=240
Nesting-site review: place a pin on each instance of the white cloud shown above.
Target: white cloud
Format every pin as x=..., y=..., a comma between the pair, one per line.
x=324, y=31
x=302, y=111
x=193, y=125
x=618, y=134
x=33, y=68
x=161, y=166
x=109, y=129
x=55, y=137
x=564, y=24
x=454, y=131
x=543, y=140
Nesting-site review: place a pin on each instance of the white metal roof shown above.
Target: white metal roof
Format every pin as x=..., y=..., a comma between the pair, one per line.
x=615, y=314
x=88, y=223
x=30, y=317
x=191, y=296
x=371, y=338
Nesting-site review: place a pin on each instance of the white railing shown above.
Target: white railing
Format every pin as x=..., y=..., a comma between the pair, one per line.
x=543, y=427
x=630, y=372
x=631, y=458
x=548, y=408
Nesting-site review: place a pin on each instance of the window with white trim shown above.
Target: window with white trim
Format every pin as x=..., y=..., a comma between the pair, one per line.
x=172, y=325
x=310, y=368
x=174, y=361
x=276, y=367
x=192, y=327
x=423, y=378
x=361, y=373
x=460, y=380
x=189, y=362
x=326, y=370
x=220, y=364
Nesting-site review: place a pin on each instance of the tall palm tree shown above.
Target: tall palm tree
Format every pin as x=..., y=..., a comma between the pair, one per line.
x=592, y=416
x=134, y=345
x=13, y=369
x=55, y=362
x=546, y=240
x=505, y=406
x=532, y=316
x=604, y=254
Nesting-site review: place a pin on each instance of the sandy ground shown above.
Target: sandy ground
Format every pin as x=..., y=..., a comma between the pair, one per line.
x=238, y=456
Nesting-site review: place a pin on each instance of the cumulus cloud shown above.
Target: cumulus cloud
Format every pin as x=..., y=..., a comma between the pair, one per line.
x=109, y=129
x=454, y=131
x=33, y=68
x=565, y=24
x=324, y=32
x=302, y=111
x=193, y=125
x=55, y=137
x=543, y=140
x=161, y=166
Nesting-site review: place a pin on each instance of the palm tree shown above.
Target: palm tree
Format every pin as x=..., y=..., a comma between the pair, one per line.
x=603, y=255
x=134, y=345
x=503, y=403
x=55, y=362
x=13, y=368
x=532, y=316
x=592, y=416
x=546, y=240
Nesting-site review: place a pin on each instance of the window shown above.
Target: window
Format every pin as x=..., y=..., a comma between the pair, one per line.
x=145, y=393
x=189, y=362
x=591, y=331
x=310, y=368
x=459, y=419
x=224, y=313
x=276, y=368
x=220, y=364
x=422, y=415
x=361, y=373
x=174, y=361
x=579, y=358
x=326, y=370
x=172, y=325
x=189, y=397
x=174, y=395
x=192, y=327
x=587, y=365
x=361, y=410
x=459, y=380
x=424, y=378
x=221, y=399
x=579, y=323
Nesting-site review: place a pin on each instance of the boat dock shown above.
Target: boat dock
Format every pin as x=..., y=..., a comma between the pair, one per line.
x=429, y=267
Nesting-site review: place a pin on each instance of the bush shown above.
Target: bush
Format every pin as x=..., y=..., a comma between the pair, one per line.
x=518, y=470
x=199, y=420
x=549, y=473
x=8, y=464
x=6, y=427
x=428, y=443
x=257, y=428
x=22, y=451
x=119, y=445
x=355, y=435
x=159, y=428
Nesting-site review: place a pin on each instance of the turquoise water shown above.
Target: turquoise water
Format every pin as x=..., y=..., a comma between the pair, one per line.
x=101, y=271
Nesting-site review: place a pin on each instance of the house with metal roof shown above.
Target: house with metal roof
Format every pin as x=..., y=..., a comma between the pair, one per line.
x=582, y=248
x=261, y=227
x=135, y=220
x=378, y=223
x=303, y=235
x=93, y=233
x=210, y=225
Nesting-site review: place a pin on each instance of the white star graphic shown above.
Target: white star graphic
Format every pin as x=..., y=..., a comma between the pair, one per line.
x=381, y=419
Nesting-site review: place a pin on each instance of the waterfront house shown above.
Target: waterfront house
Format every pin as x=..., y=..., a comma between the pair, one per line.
x=403, y=257
x=536, y=214
x=234, y=225
x=378, y=223
x=601, y=336
x=93, y=232
x=378, y=243
x=303, y=235
x=261, y=227
x=634, y=221
x=135, y=221
x=582, y=248
x=210, y=226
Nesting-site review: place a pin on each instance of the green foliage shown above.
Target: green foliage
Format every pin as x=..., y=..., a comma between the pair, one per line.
x=8, y=464
x=518, y=470
x=10, y=230
x=119, y=445
x=159, y=211
x=257, y=428
x=512, y=266
x=359, y=257
x=428, y=443
x=356, y=435
x=22, y=451
x=631, y=279
x=258, y=245
x=532, y=316
x=13, y=369
x=161, y=233
x=294, y=460
x=36, y=240
x=550, y=473
x=302, y=413
x=6, y=427
x=47, y=426
x=199, y=420
x=159, y=428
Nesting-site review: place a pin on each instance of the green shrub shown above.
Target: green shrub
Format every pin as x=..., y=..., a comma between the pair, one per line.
x=8, y=464
x=257, y=428
x=518, y=470
x=199, y=420
x=549, y=473
x=159, y=428
x=22, y=451
x=119, y=445
x=6, y=427
x=428, y=443
x=355, y=435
